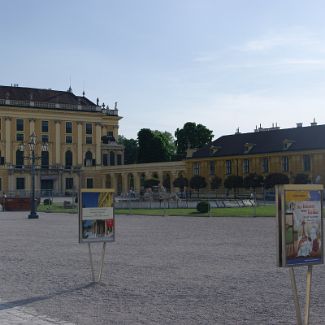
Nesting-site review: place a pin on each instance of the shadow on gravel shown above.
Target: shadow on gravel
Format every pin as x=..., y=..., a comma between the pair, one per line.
x=22, y=302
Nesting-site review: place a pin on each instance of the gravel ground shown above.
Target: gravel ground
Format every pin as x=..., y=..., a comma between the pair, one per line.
x=160, y=270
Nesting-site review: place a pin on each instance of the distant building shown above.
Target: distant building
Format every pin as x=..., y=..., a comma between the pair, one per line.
x=83, y=148
x=81, y=137
x=264, y=151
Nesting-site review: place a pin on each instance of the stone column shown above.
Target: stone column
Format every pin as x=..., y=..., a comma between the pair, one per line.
x=58, y=142
x=173, y=176
x=160, y=177
x=136, y=182
x=79, y=144
x=98, y=143
x=8, y=157
x=125, y=185
x=114, y=182
x=104, y=130
x=31, y=126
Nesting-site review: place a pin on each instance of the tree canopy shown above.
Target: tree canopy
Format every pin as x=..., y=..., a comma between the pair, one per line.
x=275, y=179
x=192, y=135
x=253, y=180
x=180, y=182
x=154, y=146
x=197, y=182
x=233, y=182
x=130, y=149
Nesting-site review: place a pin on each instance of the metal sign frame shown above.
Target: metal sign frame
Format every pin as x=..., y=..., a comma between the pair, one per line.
x=96, y=222
x=299, y=213
x=96, y=214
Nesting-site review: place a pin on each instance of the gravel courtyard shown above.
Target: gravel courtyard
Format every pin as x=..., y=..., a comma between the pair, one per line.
x=160, y=270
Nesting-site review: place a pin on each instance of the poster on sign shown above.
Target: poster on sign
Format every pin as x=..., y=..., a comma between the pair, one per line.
x=96, y=216
x=300, y=227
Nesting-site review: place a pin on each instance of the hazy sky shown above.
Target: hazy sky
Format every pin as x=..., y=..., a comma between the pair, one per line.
x=225, y=64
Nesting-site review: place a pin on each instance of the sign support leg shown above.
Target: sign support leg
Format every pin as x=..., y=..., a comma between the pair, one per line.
x=91, y=264
x=102, y=262
x=308, y=293
x=295, y=295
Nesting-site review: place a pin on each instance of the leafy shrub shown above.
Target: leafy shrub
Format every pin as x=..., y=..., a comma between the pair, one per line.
x=47, y=201
x=203, y=207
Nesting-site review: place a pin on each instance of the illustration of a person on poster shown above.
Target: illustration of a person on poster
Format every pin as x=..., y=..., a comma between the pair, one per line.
x=304, y=243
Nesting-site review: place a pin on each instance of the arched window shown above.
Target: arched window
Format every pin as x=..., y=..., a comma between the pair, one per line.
x=19, y=159
x=45, y=159
x=112, y=158
x=68, y=159
x=88, y=159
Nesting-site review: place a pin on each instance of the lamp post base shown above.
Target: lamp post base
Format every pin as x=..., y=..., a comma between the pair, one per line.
x=33, y=215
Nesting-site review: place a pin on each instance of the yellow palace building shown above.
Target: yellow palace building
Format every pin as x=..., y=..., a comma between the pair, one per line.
x=82, y=148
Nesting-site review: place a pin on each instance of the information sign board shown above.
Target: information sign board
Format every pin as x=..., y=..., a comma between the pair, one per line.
x=300, y=224
x=96, y=216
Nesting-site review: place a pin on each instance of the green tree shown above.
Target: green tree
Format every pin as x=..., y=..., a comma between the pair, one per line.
x=151, y=182
x=168, y=143
x=215, y=183
x=180, y=182
x=151, y=147
x=192, y=135
x=130, y=149
x=197, y=182
x=253, y=181
x=275, y=179
x=233, y=182
x=301, y=179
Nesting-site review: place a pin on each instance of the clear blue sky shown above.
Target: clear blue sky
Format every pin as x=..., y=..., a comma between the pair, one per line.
x=225, y=64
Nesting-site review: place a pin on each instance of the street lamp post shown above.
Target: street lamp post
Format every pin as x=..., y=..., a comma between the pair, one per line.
x=32, y=146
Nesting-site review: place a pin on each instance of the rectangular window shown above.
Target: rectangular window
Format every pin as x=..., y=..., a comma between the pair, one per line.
x=68, y=127
x=89, y=140
x=90, y=183
x=45, y=138
x=307, y=164
x=228, y=167
x=265, y=165
x=20, y=136
x=20, y=183
x=212, y=167
x=105, y=159
x=119, y=159
x=68, y=139
x=196, y=168
x=20, y=125
x=246, y=166
x=69, y=183
x=89, y=128
x=285, y=164
x=45, y=126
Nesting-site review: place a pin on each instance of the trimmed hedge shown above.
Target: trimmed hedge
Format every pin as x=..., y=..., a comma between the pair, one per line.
x=47, y=202
x=203, y=207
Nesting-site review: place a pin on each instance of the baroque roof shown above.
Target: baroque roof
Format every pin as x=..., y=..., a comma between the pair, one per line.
x=43, y=96
x=271, y=141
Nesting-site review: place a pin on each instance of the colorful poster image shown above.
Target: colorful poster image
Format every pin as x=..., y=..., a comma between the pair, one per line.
x=96, y=216
x=303, y=227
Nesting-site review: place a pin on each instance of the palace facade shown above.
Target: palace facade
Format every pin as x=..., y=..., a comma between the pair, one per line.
x=83, y=151
x=299, y=150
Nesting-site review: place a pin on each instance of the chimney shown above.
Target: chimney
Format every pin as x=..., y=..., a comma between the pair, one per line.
x=314, y=123
x=299, y=125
